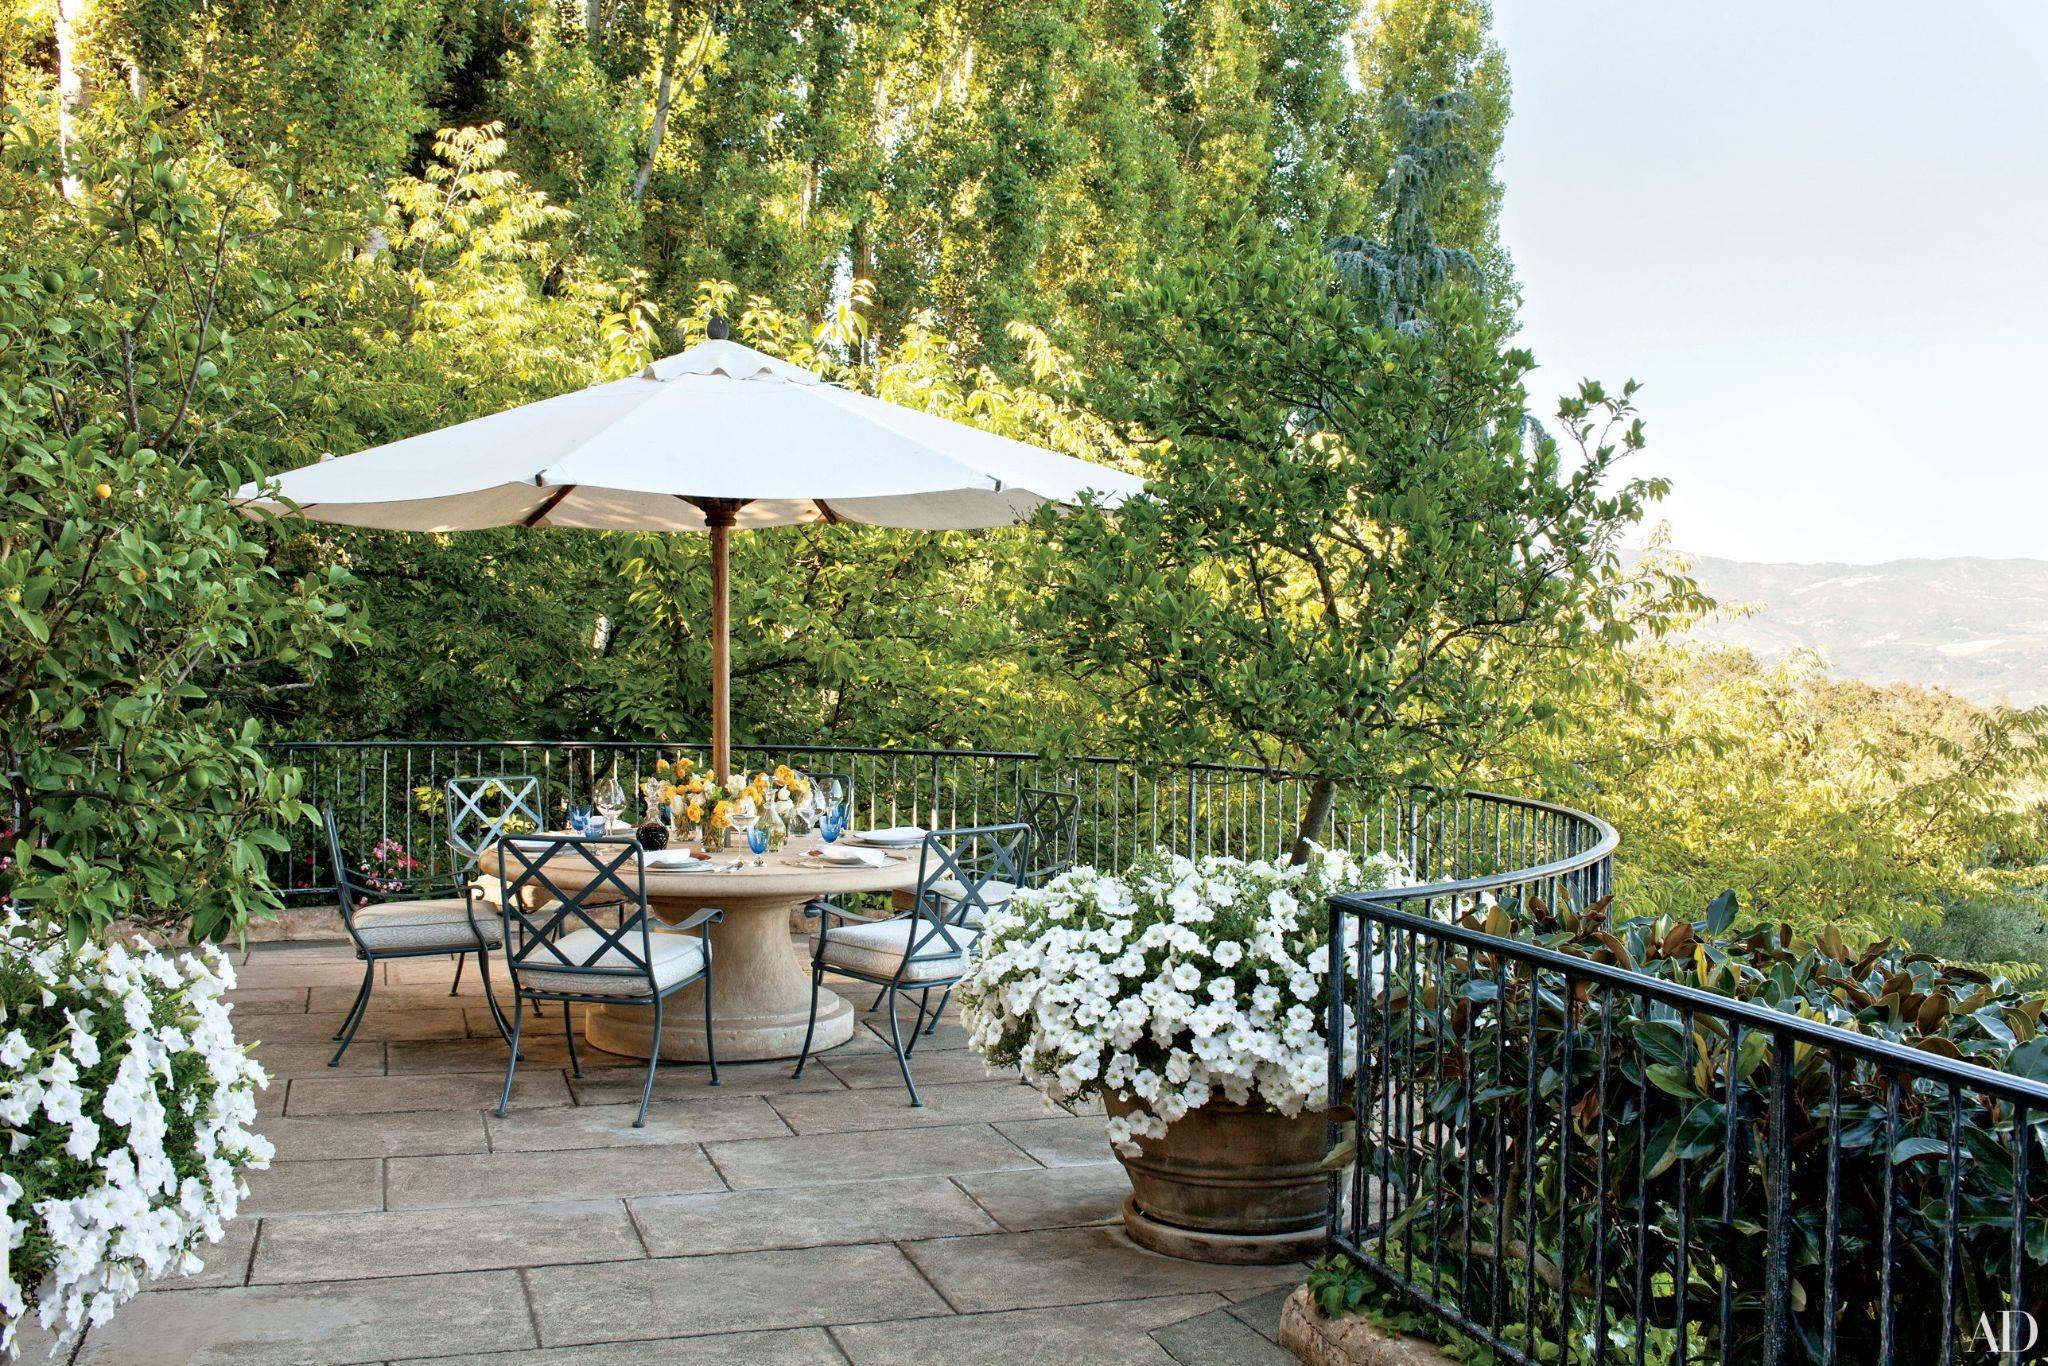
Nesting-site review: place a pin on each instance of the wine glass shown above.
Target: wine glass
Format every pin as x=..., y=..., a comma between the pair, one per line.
x=745, y=816
x=610, y=799
x=832, y=825
x=757, y=840
x=579, y=817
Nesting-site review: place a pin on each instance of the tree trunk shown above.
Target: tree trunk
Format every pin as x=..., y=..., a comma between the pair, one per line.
x=73, y=84
x=664, y=96
x=1322, y=795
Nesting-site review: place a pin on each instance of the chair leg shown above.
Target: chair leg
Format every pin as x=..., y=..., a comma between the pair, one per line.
x=362, y=994
x=811, y=1027
x=569, y=1033
x=653, y=1061
x=483, y=970
x=710, y=1042
x=456, y=985
x=875, y=1004
x=512, y=1062
x=944, y=997
x=355, y=1019
x=917, y=1025
x=902, y=1056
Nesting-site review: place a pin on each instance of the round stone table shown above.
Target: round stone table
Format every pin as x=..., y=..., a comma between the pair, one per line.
x=761, y=984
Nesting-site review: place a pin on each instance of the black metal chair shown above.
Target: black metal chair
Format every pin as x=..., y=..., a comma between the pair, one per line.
x=561, y=952
x=1054, y=816
x=406, y=923
x=928, y=948
x=481, y=811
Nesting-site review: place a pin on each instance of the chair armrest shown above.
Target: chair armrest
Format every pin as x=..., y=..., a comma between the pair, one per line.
x=706, y=915
x=823, y=907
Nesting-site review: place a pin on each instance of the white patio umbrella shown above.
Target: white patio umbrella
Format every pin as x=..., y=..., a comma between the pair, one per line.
x=717, y=437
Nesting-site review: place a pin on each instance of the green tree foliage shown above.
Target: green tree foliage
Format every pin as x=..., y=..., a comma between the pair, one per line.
x=139, y=614
x=1829, y=801
x=1355, y=543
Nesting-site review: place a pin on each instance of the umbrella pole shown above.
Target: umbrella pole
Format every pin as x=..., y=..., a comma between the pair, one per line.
x=720, y=521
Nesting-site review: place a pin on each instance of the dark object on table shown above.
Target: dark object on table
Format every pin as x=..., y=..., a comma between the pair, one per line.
x=653, y=835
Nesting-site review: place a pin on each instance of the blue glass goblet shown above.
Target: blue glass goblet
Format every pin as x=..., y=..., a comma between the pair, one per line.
x=831, y=826
x=757, y=840
x=579, y=816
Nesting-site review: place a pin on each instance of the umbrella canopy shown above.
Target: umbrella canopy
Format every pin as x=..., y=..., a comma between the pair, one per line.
x=716, y=437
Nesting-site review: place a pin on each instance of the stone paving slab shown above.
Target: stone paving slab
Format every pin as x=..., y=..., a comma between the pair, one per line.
x=862, y=1070
x=225, y=1262
x=869, y=1156
x=1058, y=1141
x=365, y=1057
x=500, y=1178
x=440, y=1023
x=807, y=1216
x=728, y=1292
x=345, y=1185
x=406, y=1134
x=321, y=1321
x=423, y=1242
x=775, y=1347
x=419, y=1057
x=878, y=1108
x=1070, y=1266
x=1091, y=1335
x=270, y=1001
x=535, y=1087
x=1059, y=1197
x=621, y=1080
x=709, y=1116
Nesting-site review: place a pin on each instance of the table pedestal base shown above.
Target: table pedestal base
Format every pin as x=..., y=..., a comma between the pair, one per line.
x=761, y=996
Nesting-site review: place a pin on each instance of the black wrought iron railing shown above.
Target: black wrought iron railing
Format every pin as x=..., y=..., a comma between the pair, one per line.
x=387, y=790
x=1566, y=1160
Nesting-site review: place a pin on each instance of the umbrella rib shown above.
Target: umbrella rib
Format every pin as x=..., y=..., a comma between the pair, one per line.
x=540, y=513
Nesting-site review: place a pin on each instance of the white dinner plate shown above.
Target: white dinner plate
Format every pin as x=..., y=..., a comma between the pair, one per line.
x=895, y=837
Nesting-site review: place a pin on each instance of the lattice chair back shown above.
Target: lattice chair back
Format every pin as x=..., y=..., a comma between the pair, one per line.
x=482, y=811
x=1054, y=816
x=962, y=875
x=349, y=895
x=576, y=922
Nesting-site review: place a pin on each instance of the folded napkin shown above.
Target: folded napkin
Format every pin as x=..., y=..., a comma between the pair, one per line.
x=670, y=858
x=839, y=853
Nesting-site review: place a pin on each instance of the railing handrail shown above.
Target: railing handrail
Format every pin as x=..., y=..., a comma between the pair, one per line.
x=1602, y=850
x=1898, y=1056
x=896, y=751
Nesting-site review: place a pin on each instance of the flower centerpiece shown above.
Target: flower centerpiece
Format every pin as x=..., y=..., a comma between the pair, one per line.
x=696, y=801
x=781, y=795
x=125, y=1107
x=1189, y=996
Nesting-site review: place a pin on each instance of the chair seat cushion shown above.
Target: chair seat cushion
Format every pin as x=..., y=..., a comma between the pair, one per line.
x=951, y=892
x=877, y=947
x=431, y=924
x=675, y=957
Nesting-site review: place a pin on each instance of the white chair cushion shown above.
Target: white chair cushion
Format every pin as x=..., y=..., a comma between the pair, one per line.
x=443, y=922
x=674, y=956
x=992, y=893
x=877, y=947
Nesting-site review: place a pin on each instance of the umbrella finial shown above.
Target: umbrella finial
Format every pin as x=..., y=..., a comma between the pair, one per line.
x=716, y=328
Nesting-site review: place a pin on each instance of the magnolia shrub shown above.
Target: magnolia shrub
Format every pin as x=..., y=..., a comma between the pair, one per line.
x=124, y=1112
x=1171, y=984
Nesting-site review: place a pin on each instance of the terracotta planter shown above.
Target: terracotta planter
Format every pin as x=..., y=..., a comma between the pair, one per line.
x=1230, y=1183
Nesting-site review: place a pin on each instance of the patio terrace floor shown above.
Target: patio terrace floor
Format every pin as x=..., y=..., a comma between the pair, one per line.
x=766, y=1221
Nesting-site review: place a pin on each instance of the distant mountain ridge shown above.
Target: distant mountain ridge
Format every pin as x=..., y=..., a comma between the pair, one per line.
x=1977, y=627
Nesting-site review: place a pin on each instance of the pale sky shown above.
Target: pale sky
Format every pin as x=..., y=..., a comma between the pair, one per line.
x=1818, y=234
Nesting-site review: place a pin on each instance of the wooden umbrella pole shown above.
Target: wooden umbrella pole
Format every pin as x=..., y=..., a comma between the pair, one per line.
x=719, y=517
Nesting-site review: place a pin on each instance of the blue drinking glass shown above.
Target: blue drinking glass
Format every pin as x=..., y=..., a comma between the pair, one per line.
x=757, y=840
x=831, y=826
x=579, y=817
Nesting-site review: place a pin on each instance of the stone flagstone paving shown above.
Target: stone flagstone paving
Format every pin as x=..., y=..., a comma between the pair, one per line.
x=767, y=1221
